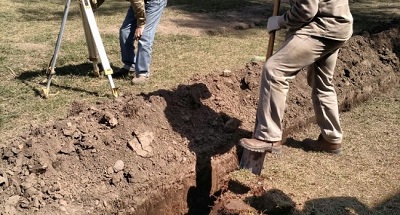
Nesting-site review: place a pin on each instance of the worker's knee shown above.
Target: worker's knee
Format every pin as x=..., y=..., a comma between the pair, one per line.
x=271, y=70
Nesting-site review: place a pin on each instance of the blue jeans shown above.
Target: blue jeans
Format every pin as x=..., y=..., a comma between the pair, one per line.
x=141, y=61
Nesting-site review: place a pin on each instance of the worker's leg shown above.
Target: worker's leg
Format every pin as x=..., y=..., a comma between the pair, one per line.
x=297, y=52
x=154, y=10
x=320, y=76
x=126, y=34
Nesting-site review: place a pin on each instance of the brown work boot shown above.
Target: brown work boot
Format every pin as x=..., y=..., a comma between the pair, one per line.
x=257, y=145
x=321, y=145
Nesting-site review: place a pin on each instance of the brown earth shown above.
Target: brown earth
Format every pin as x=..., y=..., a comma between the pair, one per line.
x=166, y=151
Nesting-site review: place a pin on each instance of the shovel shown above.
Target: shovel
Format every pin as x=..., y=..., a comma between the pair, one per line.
x=250, y=160
x=271, y=40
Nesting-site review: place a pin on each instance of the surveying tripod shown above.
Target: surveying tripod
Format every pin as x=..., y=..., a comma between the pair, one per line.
x=94, y=44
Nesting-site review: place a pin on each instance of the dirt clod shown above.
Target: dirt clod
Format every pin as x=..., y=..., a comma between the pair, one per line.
x=118, y=166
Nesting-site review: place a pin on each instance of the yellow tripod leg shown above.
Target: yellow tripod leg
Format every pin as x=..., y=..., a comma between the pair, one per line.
x=93, y=57
x=88, y=13
x=52, y=65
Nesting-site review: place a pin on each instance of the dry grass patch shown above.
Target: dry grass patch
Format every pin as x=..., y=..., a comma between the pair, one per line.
x=361, y=179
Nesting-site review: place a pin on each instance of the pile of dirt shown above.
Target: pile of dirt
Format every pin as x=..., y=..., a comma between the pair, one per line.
x=157, y=152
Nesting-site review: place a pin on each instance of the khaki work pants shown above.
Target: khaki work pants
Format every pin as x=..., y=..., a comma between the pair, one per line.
x=319, y=55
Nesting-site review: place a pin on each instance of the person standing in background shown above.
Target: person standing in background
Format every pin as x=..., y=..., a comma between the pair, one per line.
x=140, y=24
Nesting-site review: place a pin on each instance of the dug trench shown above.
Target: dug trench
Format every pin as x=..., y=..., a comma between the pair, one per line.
x=169, y=151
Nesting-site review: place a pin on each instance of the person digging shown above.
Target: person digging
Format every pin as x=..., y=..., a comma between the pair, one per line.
x=316, y=31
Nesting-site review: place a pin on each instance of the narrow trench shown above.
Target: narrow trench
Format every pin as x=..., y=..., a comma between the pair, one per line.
x=191, y=195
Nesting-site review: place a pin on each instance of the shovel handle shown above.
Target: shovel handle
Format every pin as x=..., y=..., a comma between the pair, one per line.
x=272, y=34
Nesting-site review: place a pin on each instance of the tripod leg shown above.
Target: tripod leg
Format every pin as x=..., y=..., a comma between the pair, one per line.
x=93, y=57
x=52, y=64
x=99, y=44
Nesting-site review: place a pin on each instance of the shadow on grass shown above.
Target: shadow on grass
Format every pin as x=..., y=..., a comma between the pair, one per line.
x=39, y=93
x=293, y=143
x=351, y=205
x=373, y=23
x=83, y=69
x=29, y=78
x=275, y=201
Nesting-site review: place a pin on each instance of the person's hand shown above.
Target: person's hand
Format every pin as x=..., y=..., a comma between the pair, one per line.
x=275, y=23
x=95, y=4
x=138, y=33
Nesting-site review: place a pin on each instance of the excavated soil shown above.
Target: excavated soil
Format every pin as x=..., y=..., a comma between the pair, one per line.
x=166, y=151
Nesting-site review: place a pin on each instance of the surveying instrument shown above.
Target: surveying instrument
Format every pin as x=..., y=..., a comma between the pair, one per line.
x=93, y=40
